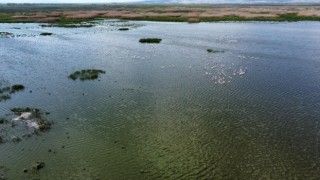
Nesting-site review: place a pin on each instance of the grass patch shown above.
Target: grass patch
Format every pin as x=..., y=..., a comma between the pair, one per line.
x=64, y=22
x=234, y=18
x=214, y=51
x=86, y=74
x=288, y=17
x=293, y=17
x=75, y=23
x=5, y=92
x=16, y=88
x=46, y=34
x=261, y=12
x=5, y=17
x=123, y=29
x=19, y=111
x=150, y=40
x=160, y=19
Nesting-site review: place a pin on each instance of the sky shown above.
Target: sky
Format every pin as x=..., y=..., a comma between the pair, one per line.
x=158, y=1
x=67, y=1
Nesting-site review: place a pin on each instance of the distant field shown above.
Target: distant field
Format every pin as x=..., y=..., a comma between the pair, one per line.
x=50, y=13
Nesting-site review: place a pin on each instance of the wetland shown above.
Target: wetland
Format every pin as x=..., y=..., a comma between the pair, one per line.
x=211, y=101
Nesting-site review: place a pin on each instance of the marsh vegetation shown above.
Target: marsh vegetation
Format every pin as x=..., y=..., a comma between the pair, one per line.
x=123, y=29
x=16, y=88
x=214, y=51
x=7, y=91
x=155, y=100
x=75, y=16
x=29, y=114
x=86, y=74
x=69, y=25
x=46, y=34
x=150, y=40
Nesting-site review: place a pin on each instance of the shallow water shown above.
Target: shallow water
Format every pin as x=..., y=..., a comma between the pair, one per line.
x=170, y=110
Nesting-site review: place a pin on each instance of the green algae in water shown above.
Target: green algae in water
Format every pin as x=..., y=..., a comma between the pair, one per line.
x=86, y=74
x=150, y=40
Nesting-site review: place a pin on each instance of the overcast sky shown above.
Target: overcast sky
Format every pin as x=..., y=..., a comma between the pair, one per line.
x=167, y=1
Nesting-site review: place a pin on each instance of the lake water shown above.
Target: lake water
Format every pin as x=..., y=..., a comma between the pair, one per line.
x=170, y=110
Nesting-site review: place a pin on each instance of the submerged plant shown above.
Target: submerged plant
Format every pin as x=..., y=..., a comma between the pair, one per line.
x=3, y=120
x=214, y=51
x=6, y=35
x=4, y=90
x=123, y=29
x=150, y=40
x=2, y=141
x=4, y=97
x=45, y=34
x=86, y=74
x=38, y=165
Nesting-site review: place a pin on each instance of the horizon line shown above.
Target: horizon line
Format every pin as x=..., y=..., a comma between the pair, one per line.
x=148, y=3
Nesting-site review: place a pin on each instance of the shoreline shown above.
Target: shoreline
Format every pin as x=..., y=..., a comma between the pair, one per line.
x=71, y=14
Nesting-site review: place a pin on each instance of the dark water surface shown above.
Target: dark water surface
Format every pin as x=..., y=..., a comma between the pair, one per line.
x=170, y=110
